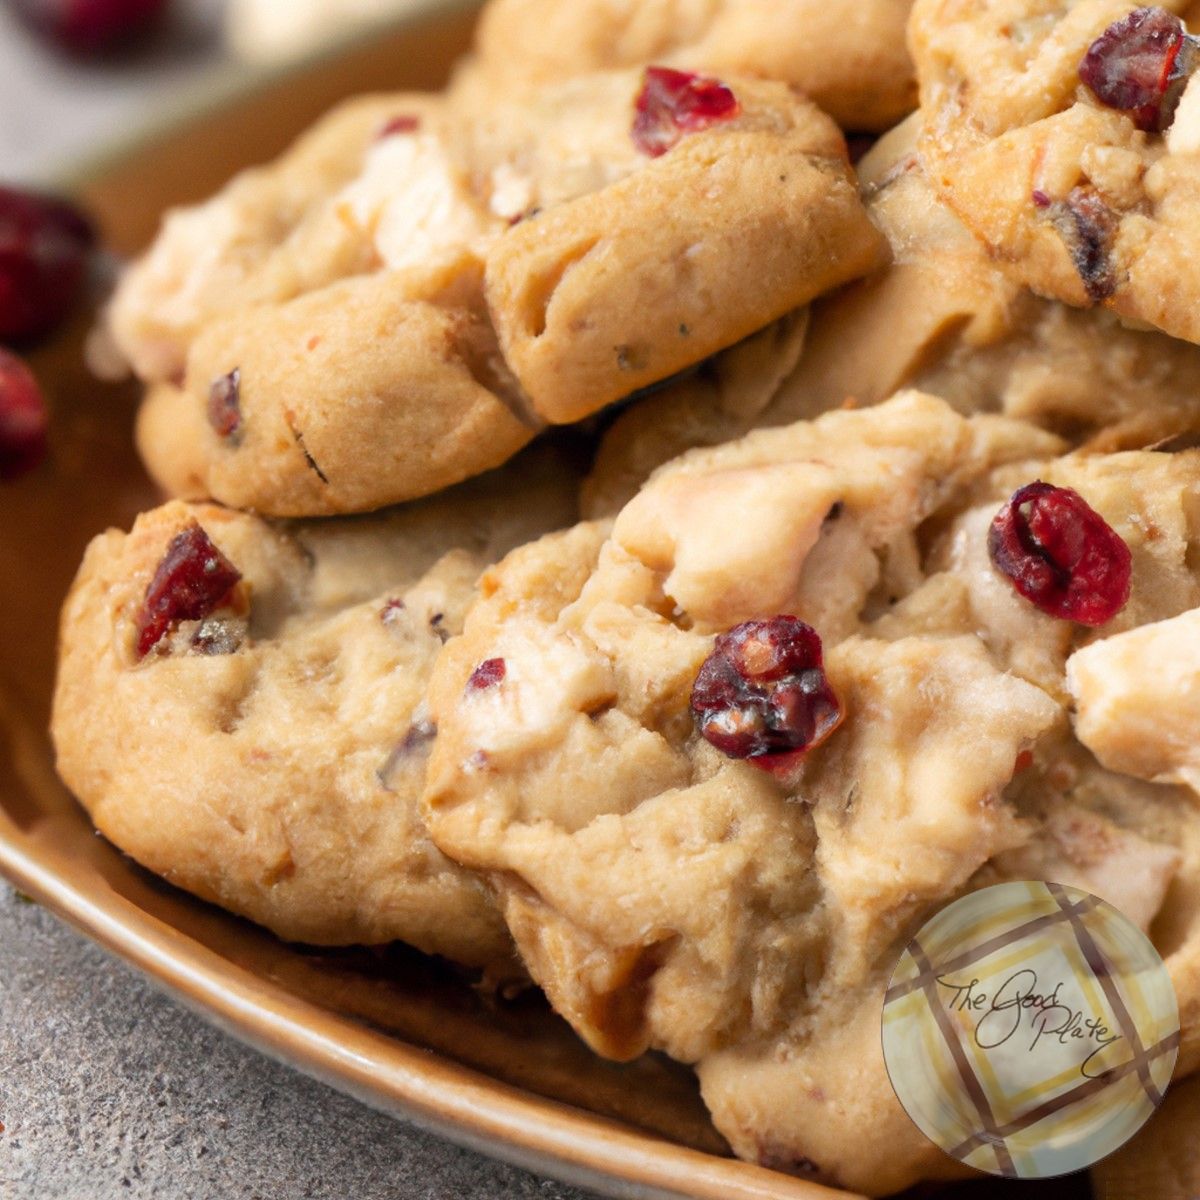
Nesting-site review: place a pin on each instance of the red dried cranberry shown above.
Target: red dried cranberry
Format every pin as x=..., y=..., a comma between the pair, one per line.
x=224, y=404
x=1140, y=66
x=90, y=26
x=487, y=675
x=1061, y=555
x=44, y=247
x=405, y=123
x=193, y=580
x=763, y=695
x=23, y=418
x=672, y=103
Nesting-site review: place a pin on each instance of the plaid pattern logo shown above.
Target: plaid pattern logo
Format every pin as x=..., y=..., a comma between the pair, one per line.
x=1030, y=1029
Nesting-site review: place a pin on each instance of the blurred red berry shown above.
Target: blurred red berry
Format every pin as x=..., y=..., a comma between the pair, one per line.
x=44, y=248
x=89, y=26
x=23, y=418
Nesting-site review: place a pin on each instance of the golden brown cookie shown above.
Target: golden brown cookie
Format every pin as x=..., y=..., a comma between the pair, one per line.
x=413, y=321
x=719, y=755
x=719, y=401
x=942, y=316
x=241, y=705
x=1065, y=134
x=850, y=58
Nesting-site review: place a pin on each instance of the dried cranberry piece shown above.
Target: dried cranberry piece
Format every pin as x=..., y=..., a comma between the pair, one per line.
x=1140, y=66
x=224, y=404
x=44, y=248
x=487, y=675
x=763, y=695
x=1088, y=228
x=404, y=123
x=672, y=103
x=90, y=26
x=23, y=418
x=191, y=583
x=1061, y=555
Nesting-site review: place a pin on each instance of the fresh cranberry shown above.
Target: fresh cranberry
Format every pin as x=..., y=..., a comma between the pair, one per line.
x=1061, y=555
x=763, y=695
x=224, y=404
x=487, y=675
x=90, y=26
x=1140, y=66
x=404, y=123
x=672, y=103
x=22, y=418
x=193, y=580
x=44, y=247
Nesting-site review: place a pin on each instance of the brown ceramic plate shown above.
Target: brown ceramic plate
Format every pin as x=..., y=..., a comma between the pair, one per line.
x=396, y=1030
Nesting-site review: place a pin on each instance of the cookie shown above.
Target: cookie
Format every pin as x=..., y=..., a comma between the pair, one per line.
x=1162, y=1160
x=726, y=396
x=791, y=1102
x=942, y=317
x=240, y=705
x=1064, y=133
x=849, y=58
x=719, y=755
x=414, y=320
x=204, y=253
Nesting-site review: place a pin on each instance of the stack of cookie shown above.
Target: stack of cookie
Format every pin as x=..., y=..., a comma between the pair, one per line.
x=888, y=582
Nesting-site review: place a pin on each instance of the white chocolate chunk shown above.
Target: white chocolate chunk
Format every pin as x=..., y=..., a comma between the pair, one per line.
x=734, y=541
x=414, y=201
x=547, y=683
x=1082, y=849
x=1137, y=698
x=1184, y=135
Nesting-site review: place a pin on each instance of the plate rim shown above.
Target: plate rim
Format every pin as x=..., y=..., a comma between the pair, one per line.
x=462, y=1104
x=226, y=83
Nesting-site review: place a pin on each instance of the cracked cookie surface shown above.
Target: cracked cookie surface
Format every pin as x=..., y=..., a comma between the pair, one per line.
x=265, y=747
x=849, y=58
x=408, y=295
x=667, y=895
x=943, y=317
x=1078, y=174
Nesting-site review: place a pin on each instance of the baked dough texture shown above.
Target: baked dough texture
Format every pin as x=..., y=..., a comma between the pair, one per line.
x=464, y=720
x=848, y=56
x=666, y=896
x=1070, y=195
x=279, y=774
x=408, y=295
x=941, y=316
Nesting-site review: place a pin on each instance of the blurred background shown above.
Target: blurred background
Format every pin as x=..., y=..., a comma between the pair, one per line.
x=79, y=75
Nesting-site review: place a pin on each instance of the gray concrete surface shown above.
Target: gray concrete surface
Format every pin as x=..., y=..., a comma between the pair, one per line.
x=108, y=1089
